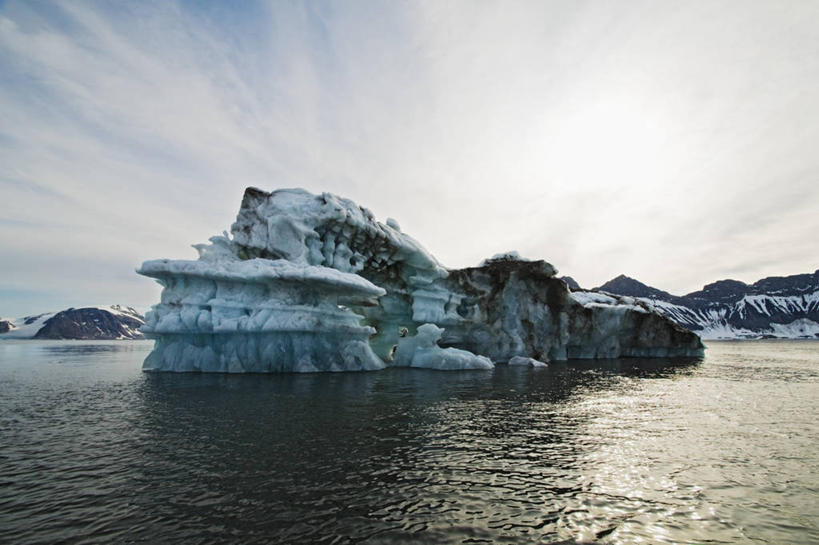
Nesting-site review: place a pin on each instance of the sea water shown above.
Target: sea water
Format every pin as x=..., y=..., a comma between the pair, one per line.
x=718, y=450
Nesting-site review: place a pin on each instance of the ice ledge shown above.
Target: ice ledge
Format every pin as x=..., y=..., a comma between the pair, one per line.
x=262, y=271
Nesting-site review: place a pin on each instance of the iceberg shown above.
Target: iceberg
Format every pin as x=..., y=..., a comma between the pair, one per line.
x=522, y=361
x=422, y=350
x=307, y=283
x=257, y=315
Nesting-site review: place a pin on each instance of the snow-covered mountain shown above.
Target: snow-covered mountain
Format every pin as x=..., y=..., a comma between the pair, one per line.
x=105, y=322
x=778, y=306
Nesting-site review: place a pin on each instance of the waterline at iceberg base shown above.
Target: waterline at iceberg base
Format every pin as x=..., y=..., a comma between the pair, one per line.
x=306, y=283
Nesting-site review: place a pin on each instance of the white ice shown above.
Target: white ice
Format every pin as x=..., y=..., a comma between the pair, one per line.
x=258, y=315
x=422, y=350
x=262, y=271
x=592, y=299
x=327, y=230
x=523, y=361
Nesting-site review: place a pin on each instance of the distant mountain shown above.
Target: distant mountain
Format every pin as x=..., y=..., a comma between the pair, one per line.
x=623, y=285
x=112, y=322
x=778, y=306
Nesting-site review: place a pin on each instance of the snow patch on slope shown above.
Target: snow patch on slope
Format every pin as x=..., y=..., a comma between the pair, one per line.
x=798, y=329
x=713, y=321
x=28, y=326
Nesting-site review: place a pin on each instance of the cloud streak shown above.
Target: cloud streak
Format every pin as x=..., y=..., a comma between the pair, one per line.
x=671, y=142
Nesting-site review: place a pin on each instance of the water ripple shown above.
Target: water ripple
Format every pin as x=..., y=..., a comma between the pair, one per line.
x=626, y=451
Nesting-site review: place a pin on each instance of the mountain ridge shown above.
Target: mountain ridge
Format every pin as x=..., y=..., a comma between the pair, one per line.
x=775, y=306
x=85, y=323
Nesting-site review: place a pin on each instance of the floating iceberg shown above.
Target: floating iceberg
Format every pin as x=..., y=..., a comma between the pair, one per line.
x=523, y=361
x=308, y=283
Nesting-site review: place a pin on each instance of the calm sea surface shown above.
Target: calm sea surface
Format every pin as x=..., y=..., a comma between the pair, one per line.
x=723, y=450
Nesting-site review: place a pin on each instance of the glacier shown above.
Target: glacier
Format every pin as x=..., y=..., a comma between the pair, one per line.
x=307, y=283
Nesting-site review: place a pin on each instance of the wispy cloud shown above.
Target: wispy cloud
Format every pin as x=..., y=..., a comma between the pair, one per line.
x=669, y=141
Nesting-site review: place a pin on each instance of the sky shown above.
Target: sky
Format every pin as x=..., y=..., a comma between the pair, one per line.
x=671, y=141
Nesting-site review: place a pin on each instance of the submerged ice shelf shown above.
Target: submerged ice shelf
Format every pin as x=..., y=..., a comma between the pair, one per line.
x=307, y=283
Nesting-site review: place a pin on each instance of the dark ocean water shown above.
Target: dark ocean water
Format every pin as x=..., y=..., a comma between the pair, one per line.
x=722, y=450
